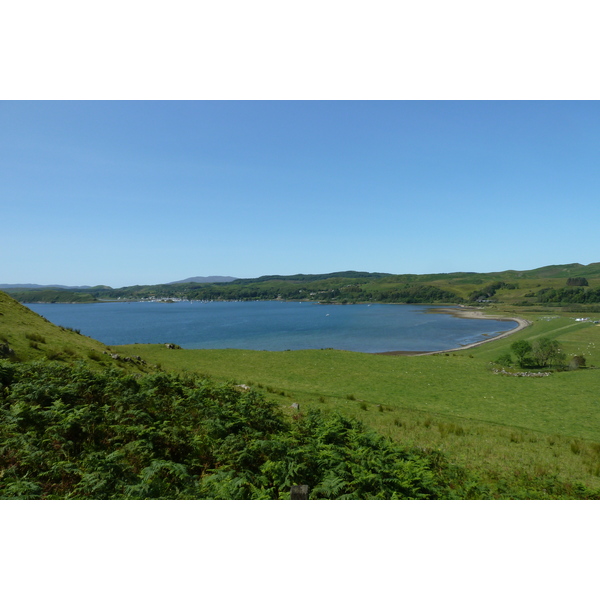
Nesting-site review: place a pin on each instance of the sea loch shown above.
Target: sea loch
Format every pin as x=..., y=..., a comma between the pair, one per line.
x=272, y=325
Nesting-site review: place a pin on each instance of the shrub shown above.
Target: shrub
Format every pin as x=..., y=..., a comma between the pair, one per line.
x=36, y=337
x=576, y=446
x=505, y=360
x=577, y=281
x=77, y=331
x=577, y=362
x=446, y=428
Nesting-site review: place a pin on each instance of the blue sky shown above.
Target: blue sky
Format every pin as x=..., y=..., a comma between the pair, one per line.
x=122, y=193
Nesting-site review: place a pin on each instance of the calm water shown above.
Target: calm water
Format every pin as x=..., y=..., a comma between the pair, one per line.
x=272, y=325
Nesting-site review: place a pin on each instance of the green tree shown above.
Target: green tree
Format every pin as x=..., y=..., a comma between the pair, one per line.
x=522, y=350
x=546, y=352
x=504, y=360
x=577, y=281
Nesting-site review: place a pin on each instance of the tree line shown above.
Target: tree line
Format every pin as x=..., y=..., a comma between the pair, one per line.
x=569, y=295
x=337, y=290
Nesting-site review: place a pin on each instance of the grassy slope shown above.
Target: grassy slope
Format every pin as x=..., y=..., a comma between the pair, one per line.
x=49, y=296
x=463, y=284
x=32, y=337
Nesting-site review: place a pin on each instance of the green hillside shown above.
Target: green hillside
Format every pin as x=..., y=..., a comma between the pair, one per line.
x=51, y=296
x=27, y=336
x=523, y=288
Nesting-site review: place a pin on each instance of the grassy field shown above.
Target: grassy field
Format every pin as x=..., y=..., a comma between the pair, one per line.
x=507, y=428
x=460, y=384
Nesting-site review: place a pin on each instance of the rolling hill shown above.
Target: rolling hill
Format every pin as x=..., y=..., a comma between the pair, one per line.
x=504, y=287
x=27, y=336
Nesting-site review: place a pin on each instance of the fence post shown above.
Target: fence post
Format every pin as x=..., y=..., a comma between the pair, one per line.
x=299, y=492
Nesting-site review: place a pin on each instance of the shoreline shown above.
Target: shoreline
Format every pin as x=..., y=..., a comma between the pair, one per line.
x=465, y=313
x=453, y=310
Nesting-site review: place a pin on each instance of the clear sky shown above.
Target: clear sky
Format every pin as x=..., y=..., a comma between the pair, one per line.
x=139, y=192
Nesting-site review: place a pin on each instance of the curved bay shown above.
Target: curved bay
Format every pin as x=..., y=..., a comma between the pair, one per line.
x=272, y=325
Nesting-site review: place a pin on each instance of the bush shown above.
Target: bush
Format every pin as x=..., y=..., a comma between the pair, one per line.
x=71, y=432
x=36, y=337
x=77, y=331
x=94, y=355
x=577, y=362
x=577, y=281
x=505, y=360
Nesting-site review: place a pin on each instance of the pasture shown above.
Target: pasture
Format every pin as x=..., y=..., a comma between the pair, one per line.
x=509, y=429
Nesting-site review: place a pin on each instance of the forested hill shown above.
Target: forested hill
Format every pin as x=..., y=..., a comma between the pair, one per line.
x=546, y=285
x=300, y=277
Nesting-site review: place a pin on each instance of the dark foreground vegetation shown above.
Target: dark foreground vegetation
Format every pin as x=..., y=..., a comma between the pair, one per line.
x=69, y=432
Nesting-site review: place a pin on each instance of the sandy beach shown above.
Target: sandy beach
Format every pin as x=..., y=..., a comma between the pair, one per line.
x=468, y=313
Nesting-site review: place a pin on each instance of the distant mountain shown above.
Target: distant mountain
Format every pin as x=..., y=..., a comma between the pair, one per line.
x=468, y=277
x=211, y=279
x=303, y=277
x=34, y=286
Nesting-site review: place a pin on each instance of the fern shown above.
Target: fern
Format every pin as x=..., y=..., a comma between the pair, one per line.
x=330, y=487
x=70, y=432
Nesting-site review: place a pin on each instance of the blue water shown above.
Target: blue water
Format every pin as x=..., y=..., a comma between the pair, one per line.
x=273, y=325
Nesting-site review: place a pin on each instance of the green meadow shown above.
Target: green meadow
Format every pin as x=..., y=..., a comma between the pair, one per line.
x=511, y=430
